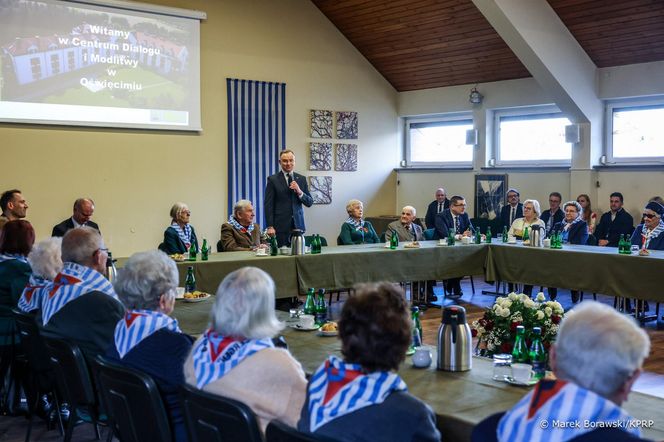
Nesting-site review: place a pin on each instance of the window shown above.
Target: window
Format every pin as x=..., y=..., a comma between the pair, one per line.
x=439, y=141
x=634, y=131
x=531, y=137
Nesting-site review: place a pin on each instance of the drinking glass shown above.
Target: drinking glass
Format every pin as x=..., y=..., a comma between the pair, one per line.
x=502, y=366
x=634, y=249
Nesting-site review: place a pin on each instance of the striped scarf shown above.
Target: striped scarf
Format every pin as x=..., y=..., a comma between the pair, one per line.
x=357, y=224
x=233, y=222
x=72, y=282
x=560, y=401
x=183, y=233
x=648, y=235
x=32, y=295
x=9, y=256
x=338, y=388
x=215, y=355
x=138, y=325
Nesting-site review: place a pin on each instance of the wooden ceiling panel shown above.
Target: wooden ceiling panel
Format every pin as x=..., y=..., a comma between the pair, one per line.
x=420, y=44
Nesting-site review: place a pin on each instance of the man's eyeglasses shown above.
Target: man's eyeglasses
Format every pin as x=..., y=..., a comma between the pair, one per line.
x=460, y=205
x=101, y=249
x=649, y=215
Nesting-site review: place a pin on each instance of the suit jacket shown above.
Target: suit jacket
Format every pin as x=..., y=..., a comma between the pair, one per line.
x=611, y=230
x=283, y=208
x=578, y=232
x=68, y=224
x=412, y=234
x=233, y=240
x=432, y=211
x=656, y=243
x=505, y=215
x=445, y=222
x=558, y=217
x=173, y=244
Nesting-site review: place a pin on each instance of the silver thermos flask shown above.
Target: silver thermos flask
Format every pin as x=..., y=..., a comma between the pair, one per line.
x=455, y=342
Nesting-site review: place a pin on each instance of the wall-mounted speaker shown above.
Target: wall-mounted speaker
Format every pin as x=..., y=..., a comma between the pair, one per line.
x=572, y=133
x=471, y=137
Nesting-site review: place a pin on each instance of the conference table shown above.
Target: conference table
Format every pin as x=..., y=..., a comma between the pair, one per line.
x=586, y=268
x=460, y=400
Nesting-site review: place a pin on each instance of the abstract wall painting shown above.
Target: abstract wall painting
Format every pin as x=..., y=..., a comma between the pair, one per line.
x=321, y=123
x=347, y=125
x=346, y=157
x=320, y=188
x=489, y=195
x=320, y=156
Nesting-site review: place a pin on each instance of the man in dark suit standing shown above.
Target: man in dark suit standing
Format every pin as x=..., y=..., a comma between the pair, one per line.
x=285, y=194
x=83, y=210
x=511, y=211
x=614, y=223
x=554, y=214
x=435, y=207
x=456, y=220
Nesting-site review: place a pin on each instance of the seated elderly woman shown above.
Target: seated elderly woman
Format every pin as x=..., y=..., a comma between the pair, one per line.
x=240, y=232
x=649, y=235
x=360, y=397
x=236, y=357
x=355, y=230
x=180, y=235
x=531, y=213
x=46, y=262
x=147, y=338
x=597, y=357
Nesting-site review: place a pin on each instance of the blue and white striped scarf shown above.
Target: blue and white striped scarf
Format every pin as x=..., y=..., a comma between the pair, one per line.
x=338, y=388
x=654, y=233
x=72, y=282
x=138, y=325
x=9, y=256
x=357, y=224
x=183, y=233
x=33, y=293
x=233, y=222
x=215, y=355
x=560, y=401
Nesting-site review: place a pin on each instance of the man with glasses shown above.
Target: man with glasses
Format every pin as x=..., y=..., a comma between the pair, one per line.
x=512, y=210
x=554, y=214
x=614, y=223
x=82, y=215
x=454, y=220
x=435, y=207
x=81, y=305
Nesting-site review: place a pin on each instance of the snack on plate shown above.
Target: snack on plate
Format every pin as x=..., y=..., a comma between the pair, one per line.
x=412, y=245
x=177, y=257
x=195, y=295
x=644, y=252
x=330, y=327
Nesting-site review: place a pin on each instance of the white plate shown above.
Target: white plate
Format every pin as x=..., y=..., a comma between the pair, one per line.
x=511, y=380
x=302, y=328
x=196, y=299
x=328, y=333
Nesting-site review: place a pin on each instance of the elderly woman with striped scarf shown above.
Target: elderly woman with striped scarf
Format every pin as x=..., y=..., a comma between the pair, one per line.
x=649, y=235
x=361, y=397
x=356, y=230
x=46, y=262
x=180, y=235
x=147, y=338
x=236, y=357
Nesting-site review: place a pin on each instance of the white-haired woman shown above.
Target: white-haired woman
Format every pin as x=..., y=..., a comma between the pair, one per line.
x=236, y=357
x=45, y=259
x=180, y=235
x=240, y=232
x=531, y=213
x=573, y=228
x=147, y=338
x=356, y=230
x=597, y=357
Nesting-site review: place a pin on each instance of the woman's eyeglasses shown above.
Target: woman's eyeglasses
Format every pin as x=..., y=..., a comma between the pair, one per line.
x=649, y=215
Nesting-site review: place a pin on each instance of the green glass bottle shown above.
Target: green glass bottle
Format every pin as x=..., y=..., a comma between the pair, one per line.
x=621, y=245
x=310, y=303
x=526, y=236
x=319, y=245
x=450, y=238
x=478, y=236
x=274, y=249
x=559, y=240
x=313, y=246
x=505, y=236
x=321, y=308
x=205, y=250
x=192, y=252
x=416, y=331
x=520, y=350
x=190, y=280
x=488, y=235
x=394, y=240
x=415, y=314
x=537, y=354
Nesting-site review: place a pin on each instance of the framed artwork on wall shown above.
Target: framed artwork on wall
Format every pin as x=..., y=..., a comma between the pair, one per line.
x=489, y=195
x=320, y=188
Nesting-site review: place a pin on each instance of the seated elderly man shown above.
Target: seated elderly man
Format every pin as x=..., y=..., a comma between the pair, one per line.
x=81, y=305
x=240, y=232
x=405, y=227
x=597, y=357
x=81, y=216
x=147, y=338
x=45, y=258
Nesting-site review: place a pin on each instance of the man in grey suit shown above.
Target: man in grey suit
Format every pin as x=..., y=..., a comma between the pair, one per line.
x=285, y=194
x=406, y=229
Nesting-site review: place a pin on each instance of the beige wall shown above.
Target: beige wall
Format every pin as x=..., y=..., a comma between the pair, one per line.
x=135, y=176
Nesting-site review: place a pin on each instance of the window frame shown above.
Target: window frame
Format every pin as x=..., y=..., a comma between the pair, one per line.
x=634, y=103
x=442, y=118
x=526, y=111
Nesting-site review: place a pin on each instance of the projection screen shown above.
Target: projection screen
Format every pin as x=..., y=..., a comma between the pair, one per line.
x=100, y=63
